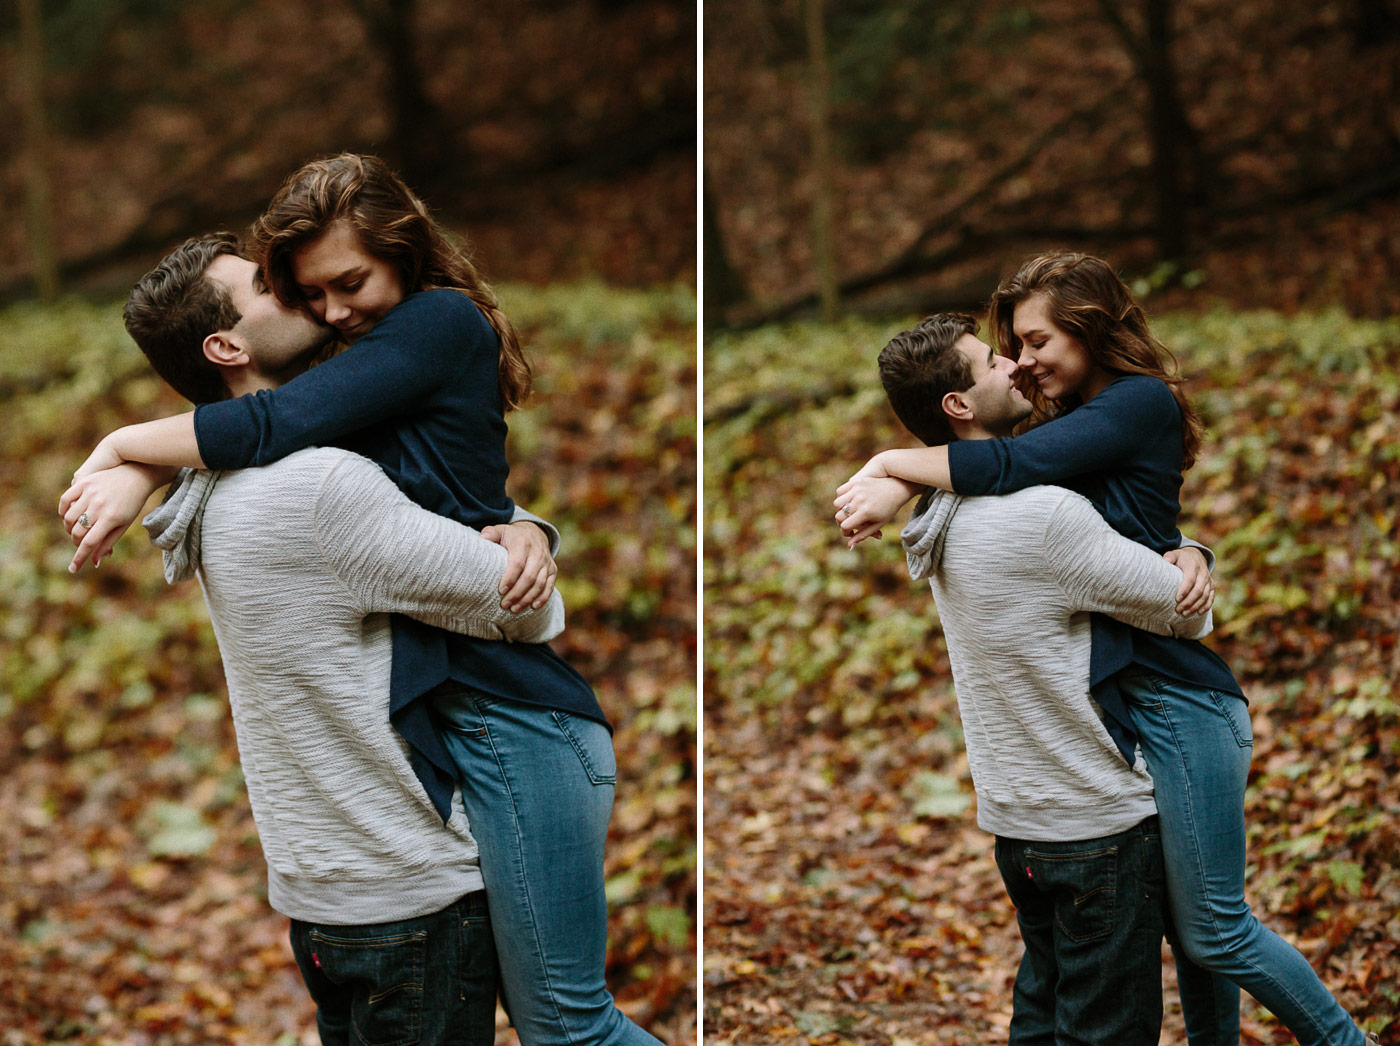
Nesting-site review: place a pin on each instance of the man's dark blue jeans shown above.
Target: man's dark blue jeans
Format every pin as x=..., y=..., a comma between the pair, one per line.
x=1091, y=916
x=417, y=982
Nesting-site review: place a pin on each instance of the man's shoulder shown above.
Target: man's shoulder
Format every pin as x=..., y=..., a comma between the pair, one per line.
x=310, y=462
x=1041, y=501
x=309, y=471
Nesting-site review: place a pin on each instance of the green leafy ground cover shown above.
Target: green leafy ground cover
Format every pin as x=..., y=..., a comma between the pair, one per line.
x=849, y=897
x=133, y=901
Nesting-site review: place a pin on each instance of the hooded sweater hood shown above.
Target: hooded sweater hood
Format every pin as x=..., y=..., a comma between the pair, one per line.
x=174, y=527
x=926, y=531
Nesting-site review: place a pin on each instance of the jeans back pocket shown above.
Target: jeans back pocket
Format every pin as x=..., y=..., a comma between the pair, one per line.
x=1085, y=887
x=593, y=744
x=1235, y=712
x=384, y=975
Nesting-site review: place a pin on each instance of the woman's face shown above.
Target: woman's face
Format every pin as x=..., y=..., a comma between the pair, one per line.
x=344, y=285
x=1058, y=363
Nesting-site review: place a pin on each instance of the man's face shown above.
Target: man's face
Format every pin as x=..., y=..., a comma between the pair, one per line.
x=281, y=341
x=996, y=400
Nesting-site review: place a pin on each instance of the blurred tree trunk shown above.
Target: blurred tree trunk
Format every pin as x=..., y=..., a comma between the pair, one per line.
x=1168, y=121
x=823, y=256
x=724, y=287
x=1173, y=138
x=1376, y=22
x=43, y=261
x=419, y=143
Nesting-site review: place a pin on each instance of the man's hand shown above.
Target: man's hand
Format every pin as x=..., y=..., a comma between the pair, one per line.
x=530, y=571
x=99, y=507
x=1197, y=592
x=866, y=502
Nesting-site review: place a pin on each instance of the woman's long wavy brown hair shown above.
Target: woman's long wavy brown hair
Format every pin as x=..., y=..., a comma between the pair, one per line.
x=394, y=225
x=1087, y=300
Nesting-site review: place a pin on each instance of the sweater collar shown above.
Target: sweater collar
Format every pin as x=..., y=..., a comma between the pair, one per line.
x=926, y=531
x=175, y=526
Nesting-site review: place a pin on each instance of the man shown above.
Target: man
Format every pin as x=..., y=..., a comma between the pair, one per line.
x=301, y=564
x=1015, y=579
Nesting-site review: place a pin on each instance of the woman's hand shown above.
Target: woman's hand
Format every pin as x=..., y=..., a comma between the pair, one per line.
x=103, y=456
x=167, y=441
x=866, y=502
x=530, y=571
x=1197, y=592
x=99, y=507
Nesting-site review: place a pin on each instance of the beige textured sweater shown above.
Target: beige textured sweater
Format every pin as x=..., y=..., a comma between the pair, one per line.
x=301, y=561
x=1014, y=578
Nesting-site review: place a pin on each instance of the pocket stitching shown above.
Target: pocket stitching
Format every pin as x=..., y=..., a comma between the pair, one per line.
x=561, y=720
x=418, y=941
x=1110, y=889
x=1219, y=700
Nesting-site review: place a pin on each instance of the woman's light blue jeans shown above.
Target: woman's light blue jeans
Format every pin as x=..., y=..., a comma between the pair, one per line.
x=1197, y=744
x=538, y=789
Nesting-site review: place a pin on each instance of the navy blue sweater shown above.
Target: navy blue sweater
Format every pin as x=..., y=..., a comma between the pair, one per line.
x=1122, y=451
x=419, y=395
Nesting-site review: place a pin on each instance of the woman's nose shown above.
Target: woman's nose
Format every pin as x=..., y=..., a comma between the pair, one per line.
x=336, y=310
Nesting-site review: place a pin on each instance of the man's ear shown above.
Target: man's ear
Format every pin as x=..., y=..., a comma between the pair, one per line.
x=958, y=407
x=220, y=348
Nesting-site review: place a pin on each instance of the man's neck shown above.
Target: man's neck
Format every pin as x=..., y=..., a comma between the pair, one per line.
x=244, y=380
x=971, y=430
x=243, y=383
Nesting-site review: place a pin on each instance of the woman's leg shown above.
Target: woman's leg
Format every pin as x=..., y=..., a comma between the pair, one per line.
x=1210, y=1002
x=538, y=789
x=1197, y=744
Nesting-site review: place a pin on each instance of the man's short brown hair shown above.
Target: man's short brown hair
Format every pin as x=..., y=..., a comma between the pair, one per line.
x=920, y=366
x=175, y=306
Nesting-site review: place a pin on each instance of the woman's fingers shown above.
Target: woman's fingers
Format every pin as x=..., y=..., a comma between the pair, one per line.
x=97, y=542
x=65, y=501
x=872, y=530
x=74, y=507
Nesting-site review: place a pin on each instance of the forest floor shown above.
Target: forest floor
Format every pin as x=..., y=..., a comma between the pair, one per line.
x=134, y=902
x=849, y=897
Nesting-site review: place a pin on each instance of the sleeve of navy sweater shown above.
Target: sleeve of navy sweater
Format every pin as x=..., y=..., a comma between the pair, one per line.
x=1128, y=416
x=413, y=351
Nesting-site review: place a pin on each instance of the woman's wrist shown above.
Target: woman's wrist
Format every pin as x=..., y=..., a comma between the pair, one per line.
x=168, y=442
x=921, y=466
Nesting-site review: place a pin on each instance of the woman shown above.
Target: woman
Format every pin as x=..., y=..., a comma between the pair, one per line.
x=1121, y=432
x=432, y=367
